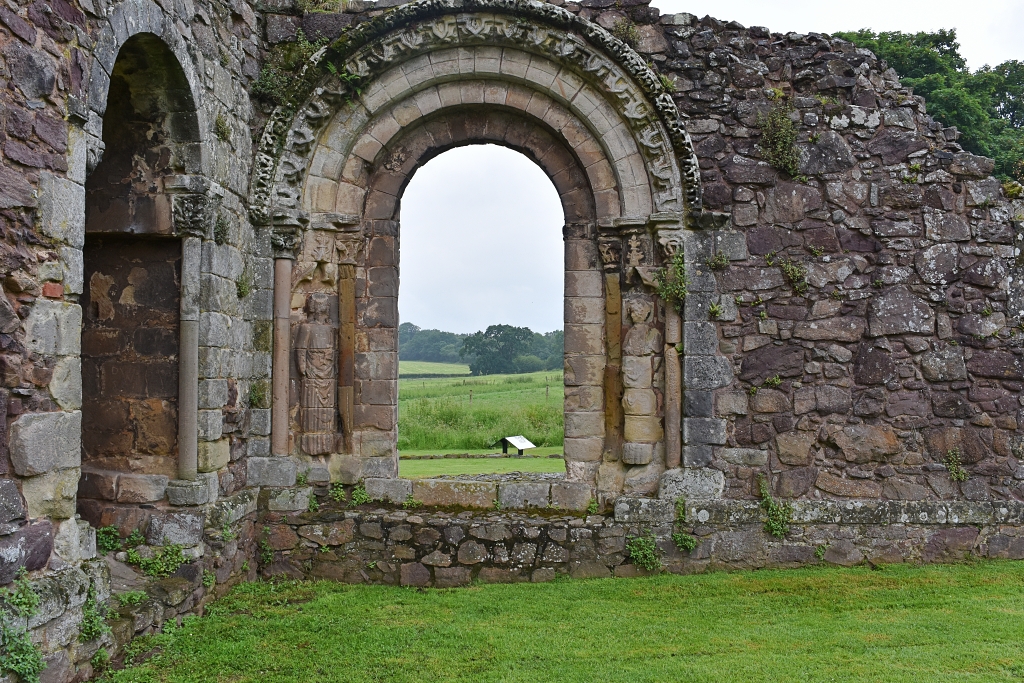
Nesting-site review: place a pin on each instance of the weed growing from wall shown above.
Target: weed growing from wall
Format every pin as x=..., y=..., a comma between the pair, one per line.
x=284, y=63
x=672, y=283
x=626, y=31
x=93, y=625
x=338, y=492
x=795, y=274
x=718, y=262
x=243, y=285
x=319, y=6
x=221, y=128
x=359, y=496
x=220, y=230
x=685, y=542
x=131, y=598
x=644, y=552
x=262, y=335
x=163, y=563
x=954, y=465
x=778, y=136
x=259, y=393
x=108, y=539
x=18, y=654
x=777, y=515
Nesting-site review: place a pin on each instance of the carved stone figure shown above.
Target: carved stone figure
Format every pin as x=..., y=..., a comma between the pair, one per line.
x=315, y=343
x=643, y=339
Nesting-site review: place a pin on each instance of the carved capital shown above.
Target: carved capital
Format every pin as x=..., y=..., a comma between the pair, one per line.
x=610, y=249
x=348, y=248
x=671, y=242
x=284, y=240
x=191, y=214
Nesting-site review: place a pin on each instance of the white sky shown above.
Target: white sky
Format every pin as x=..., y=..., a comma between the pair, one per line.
x=481, y=226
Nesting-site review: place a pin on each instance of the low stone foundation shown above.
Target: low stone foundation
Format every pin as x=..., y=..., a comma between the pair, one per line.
x=453, y=548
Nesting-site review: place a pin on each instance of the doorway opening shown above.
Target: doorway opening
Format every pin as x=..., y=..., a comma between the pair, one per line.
x=481, y=304
x=131, y=303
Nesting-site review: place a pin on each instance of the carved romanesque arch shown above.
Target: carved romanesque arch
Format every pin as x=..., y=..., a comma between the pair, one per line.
x=404, y=87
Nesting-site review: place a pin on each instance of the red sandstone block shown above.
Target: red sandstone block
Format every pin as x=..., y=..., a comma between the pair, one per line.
x=53, y=290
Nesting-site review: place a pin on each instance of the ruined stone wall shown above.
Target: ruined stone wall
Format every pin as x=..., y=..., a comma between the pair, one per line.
x=850, y=324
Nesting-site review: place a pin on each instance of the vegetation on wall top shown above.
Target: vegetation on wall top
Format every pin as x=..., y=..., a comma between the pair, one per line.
x=987, y=106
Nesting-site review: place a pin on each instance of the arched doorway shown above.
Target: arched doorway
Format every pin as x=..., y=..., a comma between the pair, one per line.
x=138, y=200
x=396, y=93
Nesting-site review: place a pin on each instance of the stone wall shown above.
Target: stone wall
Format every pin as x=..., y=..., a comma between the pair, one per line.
x=448, y=548
x=850, y=323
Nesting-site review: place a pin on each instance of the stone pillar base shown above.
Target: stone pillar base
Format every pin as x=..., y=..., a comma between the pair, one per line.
x=200, y=491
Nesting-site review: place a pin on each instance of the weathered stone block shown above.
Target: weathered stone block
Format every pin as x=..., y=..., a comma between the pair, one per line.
x=289, y=499
x=60, y=213
x=51, y=494
x=644, y=428
x=184, y=492
x=571, y=495
x=700, y=430
x=12, y=505
x=451, y=577
x=141, y=488
x=443, y=493
x=794, y=448
x=181, y=528
x=637, y=453
x=390, y=490
x=66, y=383
x=42, y=442
x=273, y=471
x=54, y=328
x=643, y=510
x=850, y=488
x=944, y=365
x=336, y=533
x=522, y=495
x=213, y=455
x=899, y=311
x=865, y=443
x=745, y=457
x=414, y=574
x=691, y=484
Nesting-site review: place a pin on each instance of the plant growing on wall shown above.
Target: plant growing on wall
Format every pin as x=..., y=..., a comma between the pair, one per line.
x=778, y=137
x=671, y=282
x=18, y=654
x=777, y=515
x=644, y=551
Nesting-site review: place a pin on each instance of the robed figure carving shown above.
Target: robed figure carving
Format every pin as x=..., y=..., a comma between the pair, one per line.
x=315, y=343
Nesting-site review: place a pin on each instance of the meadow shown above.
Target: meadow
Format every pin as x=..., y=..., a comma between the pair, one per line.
x=462, y=414
x=892, y=625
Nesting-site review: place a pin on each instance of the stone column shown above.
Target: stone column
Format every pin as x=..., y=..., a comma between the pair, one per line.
x=188, y=360
x=284, y=243
x=673, y=388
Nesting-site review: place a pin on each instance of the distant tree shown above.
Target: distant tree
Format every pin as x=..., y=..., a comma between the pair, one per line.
x=497, y=349
x=429, y=345
x=987, y=106
x=406, y=331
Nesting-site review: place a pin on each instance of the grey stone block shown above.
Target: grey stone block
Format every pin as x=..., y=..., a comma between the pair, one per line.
x=12, y=506
x=256, y=448
x=54, y=328
x=211, y=425
x=184, y=492
x=274, y=471
x=259, y=422
x=213, y=393
x=571, y=495
x=181, y=528
x=391, y=490
x=86, y=540
x=703, y=430
x=697, y=456
x=643, y=510
x=66, y=383
x=698, y=403
x=707, y=372
x=521, y=495
x=700, y=338
x=233, y=508
x=691, y=484
x=60, y=213
x=42, y=442
x=290, y=499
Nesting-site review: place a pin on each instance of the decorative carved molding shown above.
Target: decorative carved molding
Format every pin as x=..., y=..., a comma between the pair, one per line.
x=283, y=242
x=371, y=47
x=190, y=214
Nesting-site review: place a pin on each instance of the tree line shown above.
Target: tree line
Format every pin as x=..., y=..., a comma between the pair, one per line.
x=500, y=349
x=986, y=106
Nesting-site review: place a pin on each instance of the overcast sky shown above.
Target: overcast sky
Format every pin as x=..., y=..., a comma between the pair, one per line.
x=481, y=226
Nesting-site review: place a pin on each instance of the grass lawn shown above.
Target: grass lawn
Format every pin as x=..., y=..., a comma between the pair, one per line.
x=420, y=367
x=937, y=623
x=436, y=413
x=418, y=469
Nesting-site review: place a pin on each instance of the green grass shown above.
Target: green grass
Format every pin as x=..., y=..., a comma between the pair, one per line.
x=436, y=413
x=422, y=367
x=418, y=469
x=938, y=623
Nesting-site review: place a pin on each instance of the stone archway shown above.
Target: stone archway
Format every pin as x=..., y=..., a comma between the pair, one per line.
x=406, y=86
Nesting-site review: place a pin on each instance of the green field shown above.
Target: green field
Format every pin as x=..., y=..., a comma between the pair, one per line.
x=899, y=624
x=419, y=367
x=436, y=415
x=418, y=469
